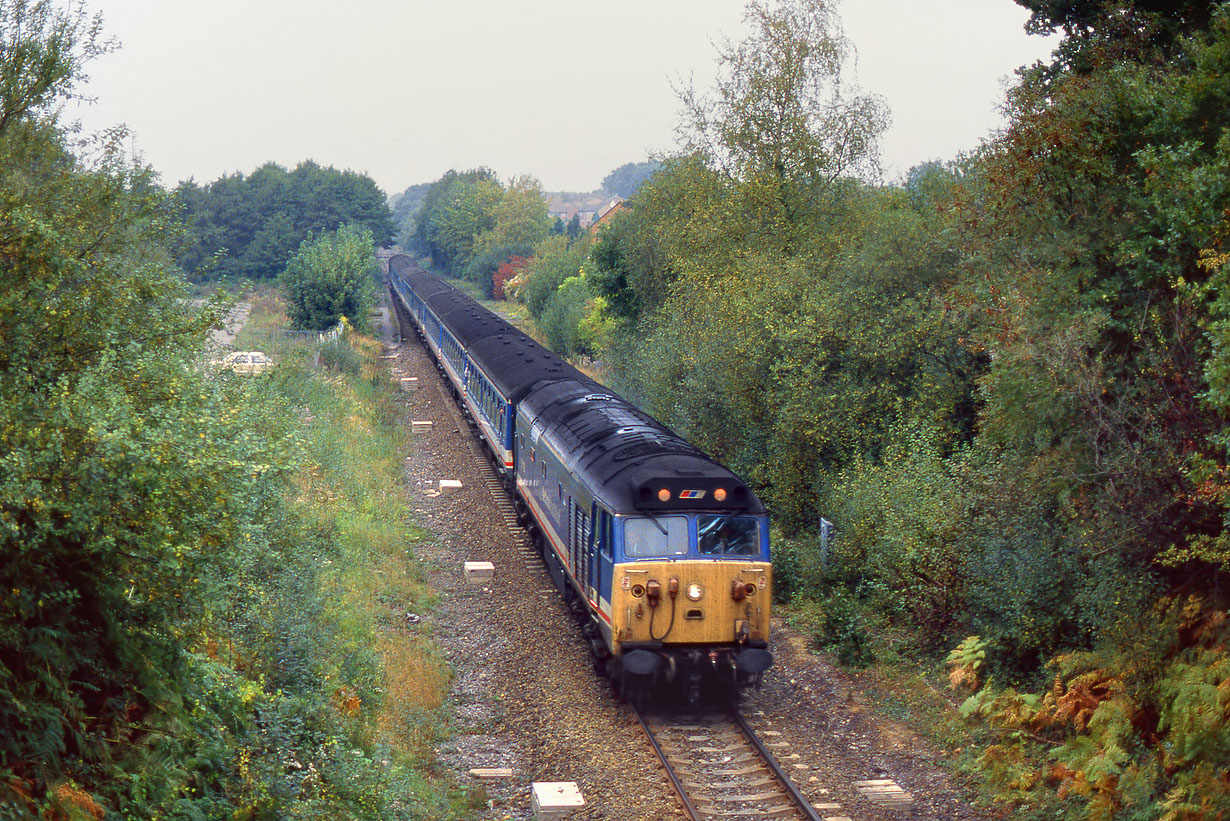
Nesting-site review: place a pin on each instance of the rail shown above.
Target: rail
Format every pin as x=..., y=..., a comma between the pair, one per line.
x=719, y=768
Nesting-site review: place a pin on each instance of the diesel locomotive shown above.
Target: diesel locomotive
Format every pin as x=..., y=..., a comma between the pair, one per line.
x=663, y=552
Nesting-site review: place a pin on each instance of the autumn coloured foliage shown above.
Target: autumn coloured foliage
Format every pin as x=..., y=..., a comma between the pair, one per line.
x=508, y=271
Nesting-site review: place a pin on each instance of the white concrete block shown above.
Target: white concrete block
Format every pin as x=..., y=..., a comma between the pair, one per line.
x=491, y=772
x=449, y=485
x=479, y=572
x=421, y=426
x=556, y=799
x=410, y=383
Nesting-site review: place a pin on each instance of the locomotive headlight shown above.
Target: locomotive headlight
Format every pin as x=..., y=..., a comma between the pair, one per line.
x=719, y=495
x=664, y=495
x=695, y=591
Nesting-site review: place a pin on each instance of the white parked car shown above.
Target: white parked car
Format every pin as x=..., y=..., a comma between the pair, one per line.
x=247, y=362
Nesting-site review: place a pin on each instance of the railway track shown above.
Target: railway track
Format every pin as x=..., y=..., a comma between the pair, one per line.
x=720, y=769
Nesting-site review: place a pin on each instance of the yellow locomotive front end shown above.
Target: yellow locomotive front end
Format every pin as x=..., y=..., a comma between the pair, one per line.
x=690, y=603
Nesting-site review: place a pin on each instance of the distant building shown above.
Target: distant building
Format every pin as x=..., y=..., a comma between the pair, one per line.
x=587, y=208
x=607, y=214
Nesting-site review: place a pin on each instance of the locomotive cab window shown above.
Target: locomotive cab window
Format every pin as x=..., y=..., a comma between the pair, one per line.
x=656, y=538
x=728, y=535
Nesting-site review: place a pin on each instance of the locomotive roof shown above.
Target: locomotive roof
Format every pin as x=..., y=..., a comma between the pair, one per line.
x=623, y=453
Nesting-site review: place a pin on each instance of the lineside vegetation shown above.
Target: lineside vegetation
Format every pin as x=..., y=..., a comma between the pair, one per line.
x=197, y=570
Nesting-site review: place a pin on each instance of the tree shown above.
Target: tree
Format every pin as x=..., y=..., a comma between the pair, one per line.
x=252, y=225
x=519, y=218
x=456, y=210
x=331, y=278
x=1116, y=29
x=406, y=208
x=777, y=108
x=124, y=474
x=624, y=181
x=43, y=53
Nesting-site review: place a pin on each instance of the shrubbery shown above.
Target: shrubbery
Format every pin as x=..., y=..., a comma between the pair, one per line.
x=331, y=277
x=177, y=637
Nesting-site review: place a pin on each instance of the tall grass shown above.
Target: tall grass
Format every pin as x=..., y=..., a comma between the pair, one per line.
x=335, y=616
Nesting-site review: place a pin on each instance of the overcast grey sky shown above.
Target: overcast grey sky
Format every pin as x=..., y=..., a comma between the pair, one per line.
x=565, y=91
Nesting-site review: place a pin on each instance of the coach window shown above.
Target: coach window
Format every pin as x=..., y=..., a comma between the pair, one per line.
x=655, y=538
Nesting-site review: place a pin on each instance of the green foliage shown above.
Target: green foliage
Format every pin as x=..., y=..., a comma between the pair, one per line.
x=338, y=356
x=331, y=277
x=456, y=210
x=804, y=363
x=778, y=112
x=482, y=268
x=1104, y=30
x=1094, y=277
x=43, y=51
x=250, y=227
x=554, y=261
x=406, y=208
x=843, y=629
x=563, y=319
x=625, y=180
x=470, y=224
x=120, y=475
x=171, y=641
x=520, y=217
x=899, y=518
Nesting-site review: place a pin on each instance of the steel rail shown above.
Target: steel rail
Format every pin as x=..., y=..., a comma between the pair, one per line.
x=801, y=800
x=680, y=791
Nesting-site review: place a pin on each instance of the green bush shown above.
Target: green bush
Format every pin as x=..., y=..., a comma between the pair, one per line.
x=338, y=356
x=841, y=627
x=897, y=521
x=1137, y=727
x=331, y=277
x=563, y=318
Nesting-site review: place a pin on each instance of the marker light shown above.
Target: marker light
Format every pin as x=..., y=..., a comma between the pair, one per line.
x=664, y=495
x=695, y=591
x=719, y=495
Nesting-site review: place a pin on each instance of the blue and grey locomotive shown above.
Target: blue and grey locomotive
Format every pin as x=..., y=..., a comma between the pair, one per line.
x=664, y=551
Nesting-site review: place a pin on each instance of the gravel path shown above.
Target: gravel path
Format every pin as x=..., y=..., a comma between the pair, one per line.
x=527, y=698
